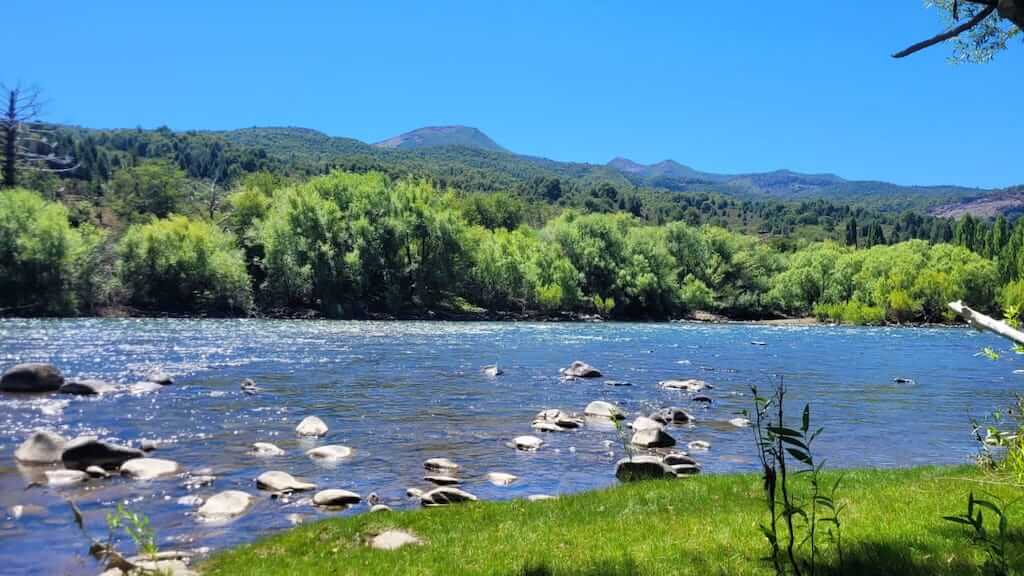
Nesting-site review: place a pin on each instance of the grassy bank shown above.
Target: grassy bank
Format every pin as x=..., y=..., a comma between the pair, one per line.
x=704, y=525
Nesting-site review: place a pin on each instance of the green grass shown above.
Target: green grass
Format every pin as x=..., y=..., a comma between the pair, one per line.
x=703, y=525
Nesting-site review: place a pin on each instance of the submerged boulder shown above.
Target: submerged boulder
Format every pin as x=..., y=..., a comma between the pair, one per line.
x=311, y=426
x=279, y=481
x=225, y=506
x=161, y=378
x=330, y=452
x=86, y=451
x=88, y=387
x=492, y=371
x=642, y=468
x=581, y=370
x=31, y=377
x=65, y=477
x=527, y=443
x=42, y=447
x=445, y=495
x=149, y=468
x=691, y=385
x=604, y=409
x=266, y=449
x=501, y=478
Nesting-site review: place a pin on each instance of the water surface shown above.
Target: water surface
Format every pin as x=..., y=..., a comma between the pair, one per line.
x=402, y=392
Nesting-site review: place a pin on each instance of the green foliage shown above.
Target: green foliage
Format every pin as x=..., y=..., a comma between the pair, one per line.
x=183, y=265
x=993, y=543
x=45, y=264
x=136, y=525
x=157, y=188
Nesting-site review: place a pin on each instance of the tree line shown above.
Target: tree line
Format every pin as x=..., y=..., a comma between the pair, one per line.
x=352, y=245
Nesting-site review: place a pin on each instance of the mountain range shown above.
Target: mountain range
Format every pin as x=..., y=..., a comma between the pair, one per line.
x=471, y=148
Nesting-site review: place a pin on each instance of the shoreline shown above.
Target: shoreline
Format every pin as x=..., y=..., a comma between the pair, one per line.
x=442, y=315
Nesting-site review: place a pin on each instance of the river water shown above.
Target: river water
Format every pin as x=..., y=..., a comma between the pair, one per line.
x=402, y=392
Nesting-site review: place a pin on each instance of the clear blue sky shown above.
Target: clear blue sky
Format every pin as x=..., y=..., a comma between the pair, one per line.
x=721, y=86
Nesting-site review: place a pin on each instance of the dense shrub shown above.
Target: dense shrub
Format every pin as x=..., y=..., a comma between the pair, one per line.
x=45, y=264
x=179, y=264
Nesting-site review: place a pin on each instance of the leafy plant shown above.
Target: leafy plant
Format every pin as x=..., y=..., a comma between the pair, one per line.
x=796, y=513
x=136, y=525
x=994, y=544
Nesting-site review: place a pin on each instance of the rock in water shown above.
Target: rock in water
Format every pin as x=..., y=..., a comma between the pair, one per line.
x=149, y=468
x=740, y=422
x=581, y=370
x=97, y=472
x=676, y=459
x=539, y=497
x=699, y=445
x=311, y=426
x=604, y=409
x=42, y=447
x=672, y=416
x=445, y=495
x=653, y=438
x=645, y=423
x=266, y=449
x=330, y=452
x=32, y=377
x=441, y=480
x=492, y=371
x=642, y=468
x=86, y=451
x=380, y=508
x=161, y=378
x=394, y=539
x=87, y=387
x=248, y=386
x=527, y=443
x=224, y=506
x=335, y=497
x=65, y=477
x=691, y=385
x=501, y=478
x=278, y=481
x=442, y=464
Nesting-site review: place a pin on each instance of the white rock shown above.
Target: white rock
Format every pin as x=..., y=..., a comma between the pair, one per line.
x=225, y=505
x=281, y=482
x=539, y=497
x=311, y=426
x=740, y=422
x=604, y=409
x=149, y=468
x=393, y=540
x=380, y=508
x=42, y=447
x=699, y=445
x=266, y=449
x=330, y=452
x=501, y=478
x=413, y=492
x=336, y=497
x=645, y=423
x=191, y=500
x=65, y=477
x=691, y=385
x=527, y=443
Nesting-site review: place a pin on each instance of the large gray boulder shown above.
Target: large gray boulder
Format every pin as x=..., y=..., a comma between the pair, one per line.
x=87, y=387
x=445, y=495
x=32, y=377
x=642, y=468
x=42, y=447
x=87, y=451
x=581, y=370
x=653, y=438
x=224, y=506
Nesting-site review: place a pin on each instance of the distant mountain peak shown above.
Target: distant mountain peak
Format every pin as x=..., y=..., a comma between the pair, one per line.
x=434, y=136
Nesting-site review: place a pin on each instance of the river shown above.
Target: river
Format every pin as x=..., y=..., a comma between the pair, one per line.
x=402, y=392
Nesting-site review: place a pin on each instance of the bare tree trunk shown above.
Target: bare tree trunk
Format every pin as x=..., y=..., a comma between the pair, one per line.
x=10, y=130
x=982, y=322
